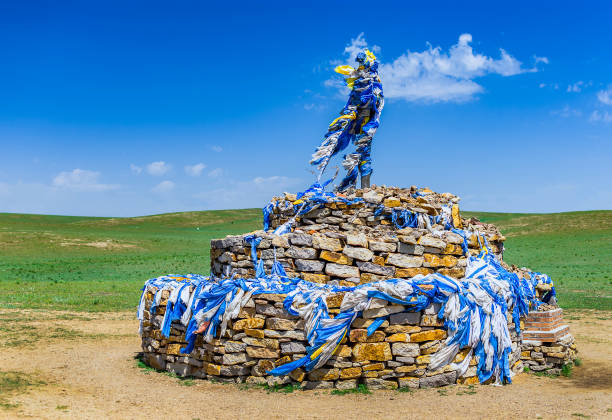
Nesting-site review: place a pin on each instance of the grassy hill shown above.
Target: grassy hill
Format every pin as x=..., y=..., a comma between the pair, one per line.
x=100, y=264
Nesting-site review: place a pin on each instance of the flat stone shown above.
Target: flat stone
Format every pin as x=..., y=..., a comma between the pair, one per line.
x=350, y=373
x=361, y=254
x=324, y=242
x=361, y=336
x=335, y=300
x=372, y=197
x=278, y=380
x=346, y=384
x=280, y=241
x=377, y=383
x=156, y=361
x=453, y=238
x=428, y=320
x=301, y=253
x=269, y=343
x=404, y=261
x=180, y=369
x=410, y=249
x=373, y=366
x=300, y=239
x=357, y=239
x=369, y=277
x=392, y=202
x=252, y=333
x=234, y=370
x=438, y=380
x=309, y=265
x=428, y=240
x=432, y=260
x=399, y=329
x=405, y=349
x=323, y=374
x=405, y=369
x=409, y=239
x=405, y=360
x=398, y=337
x=280, y=324
x=427, y=336
x=294, y=335
x=315, y=277
x=292, y=347
x=339, y=270
x=382, y=246
x=310, y=385
x=234, y=358
x=411, y=272
x=212, y=369
x=376, y=269
x=412, y=383
x=405, y=318
x=262, y=353
x=269, y=310
x=335, y=257
x=234, y=346
x=372, y=351
x=248, y=323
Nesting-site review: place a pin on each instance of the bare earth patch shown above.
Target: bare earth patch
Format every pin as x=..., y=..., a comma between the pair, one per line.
x=93, y=374
x=107, y=244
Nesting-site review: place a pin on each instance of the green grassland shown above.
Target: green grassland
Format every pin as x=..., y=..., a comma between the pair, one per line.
x=100, y=264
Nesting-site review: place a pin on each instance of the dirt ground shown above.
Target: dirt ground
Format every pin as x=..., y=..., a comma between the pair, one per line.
x=87, y=363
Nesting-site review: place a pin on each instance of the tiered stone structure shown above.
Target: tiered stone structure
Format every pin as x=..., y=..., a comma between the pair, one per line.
x=349, y=245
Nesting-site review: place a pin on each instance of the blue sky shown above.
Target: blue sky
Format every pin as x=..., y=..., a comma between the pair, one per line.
x=131, y=108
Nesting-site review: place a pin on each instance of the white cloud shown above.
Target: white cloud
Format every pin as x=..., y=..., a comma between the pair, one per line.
x=195, y=170
x=434, y=75
x=605, y=96
x=215, y=173
x=81, y=180
x=216, y=148
x=567, y=112
x=276, y=180
x=578, y=86
x=540, y=59
x=158, y=168
x=163, y=187
x=598, y=116
x=136, y=169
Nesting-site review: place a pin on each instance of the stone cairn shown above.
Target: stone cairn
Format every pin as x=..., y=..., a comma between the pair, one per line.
x=349, y=245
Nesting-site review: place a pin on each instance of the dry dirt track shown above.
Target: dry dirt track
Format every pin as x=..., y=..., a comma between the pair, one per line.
x=97, y=377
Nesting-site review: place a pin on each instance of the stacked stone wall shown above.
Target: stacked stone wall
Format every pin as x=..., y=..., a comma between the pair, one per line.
x=348, y=245
x=352, y=245
x=265, y=336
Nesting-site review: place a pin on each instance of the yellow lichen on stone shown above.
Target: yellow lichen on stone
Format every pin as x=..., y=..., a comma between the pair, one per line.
x=372, y=351
x=248, y=323
x=428, y=336
x=455, y=215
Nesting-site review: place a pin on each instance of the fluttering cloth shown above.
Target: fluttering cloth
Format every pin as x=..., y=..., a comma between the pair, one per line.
x=357, y=122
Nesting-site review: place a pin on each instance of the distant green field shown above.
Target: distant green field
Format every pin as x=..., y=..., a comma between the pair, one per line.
x=100, y=264
x=574, y=248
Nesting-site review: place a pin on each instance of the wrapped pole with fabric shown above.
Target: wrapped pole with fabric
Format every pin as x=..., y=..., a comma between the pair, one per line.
x=356, y=124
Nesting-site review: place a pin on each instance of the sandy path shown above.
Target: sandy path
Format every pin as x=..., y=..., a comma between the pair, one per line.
x=97, y=377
